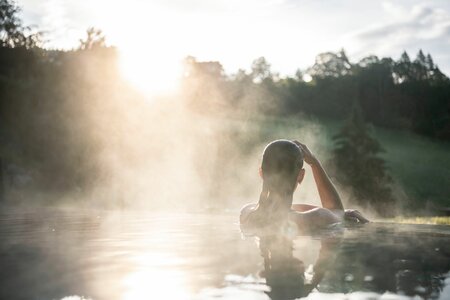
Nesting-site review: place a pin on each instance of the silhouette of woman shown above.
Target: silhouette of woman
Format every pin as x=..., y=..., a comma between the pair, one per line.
x=282, y=171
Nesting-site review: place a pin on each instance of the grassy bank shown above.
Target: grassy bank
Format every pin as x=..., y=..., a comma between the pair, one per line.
x=422, y=220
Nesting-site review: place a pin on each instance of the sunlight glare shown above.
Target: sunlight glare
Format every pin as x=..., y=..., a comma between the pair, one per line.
x=307, y=78
x=154, y=280
x=150, y=72
x=155, y=284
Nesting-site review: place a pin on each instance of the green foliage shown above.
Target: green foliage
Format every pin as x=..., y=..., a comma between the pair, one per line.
x=204, y=85
x=94, y=39
x=359, y=166
x=403, y=94
x=331, y=65
x=52, y=111
x=12, y=32
x=422, y=69
x=260, y=70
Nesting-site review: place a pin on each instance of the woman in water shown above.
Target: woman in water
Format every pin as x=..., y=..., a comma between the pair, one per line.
x=282, y=171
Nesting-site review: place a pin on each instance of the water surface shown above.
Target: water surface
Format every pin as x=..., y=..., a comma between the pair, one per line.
x=50, y=254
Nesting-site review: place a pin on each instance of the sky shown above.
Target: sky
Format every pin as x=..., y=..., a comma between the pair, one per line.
x=153, y=36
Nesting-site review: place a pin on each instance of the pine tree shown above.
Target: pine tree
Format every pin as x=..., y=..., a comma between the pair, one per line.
x=419, y=67
x=429, y=62
x=420, y=59
x=402, y=69
x=358, y=165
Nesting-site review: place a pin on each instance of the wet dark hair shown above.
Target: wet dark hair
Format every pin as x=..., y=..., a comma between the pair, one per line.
x=281, y=163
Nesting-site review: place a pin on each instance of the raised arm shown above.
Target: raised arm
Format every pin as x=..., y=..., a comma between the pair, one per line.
x=328, y=194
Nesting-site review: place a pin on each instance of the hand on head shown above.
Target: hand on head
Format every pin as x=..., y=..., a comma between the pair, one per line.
x=308, y=157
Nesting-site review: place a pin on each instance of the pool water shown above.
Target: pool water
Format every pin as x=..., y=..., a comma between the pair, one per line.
x=49, y=254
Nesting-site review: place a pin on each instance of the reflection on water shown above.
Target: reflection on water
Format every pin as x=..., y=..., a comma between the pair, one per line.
x=285, y=273
x=66, y=255
x=369, y=262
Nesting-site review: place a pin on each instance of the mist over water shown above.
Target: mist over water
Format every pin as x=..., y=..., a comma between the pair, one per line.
x=179, y=159
x=107, y=146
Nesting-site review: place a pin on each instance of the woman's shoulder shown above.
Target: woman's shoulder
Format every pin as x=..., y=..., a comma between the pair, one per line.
x=246, y=210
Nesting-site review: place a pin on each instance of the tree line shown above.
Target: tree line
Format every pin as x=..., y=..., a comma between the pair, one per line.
x=412, y=95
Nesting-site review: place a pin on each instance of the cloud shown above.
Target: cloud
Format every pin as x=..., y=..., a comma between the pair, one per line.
x=220, y=6
x=421, y=27
x=422, y=23
x=287, y=32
